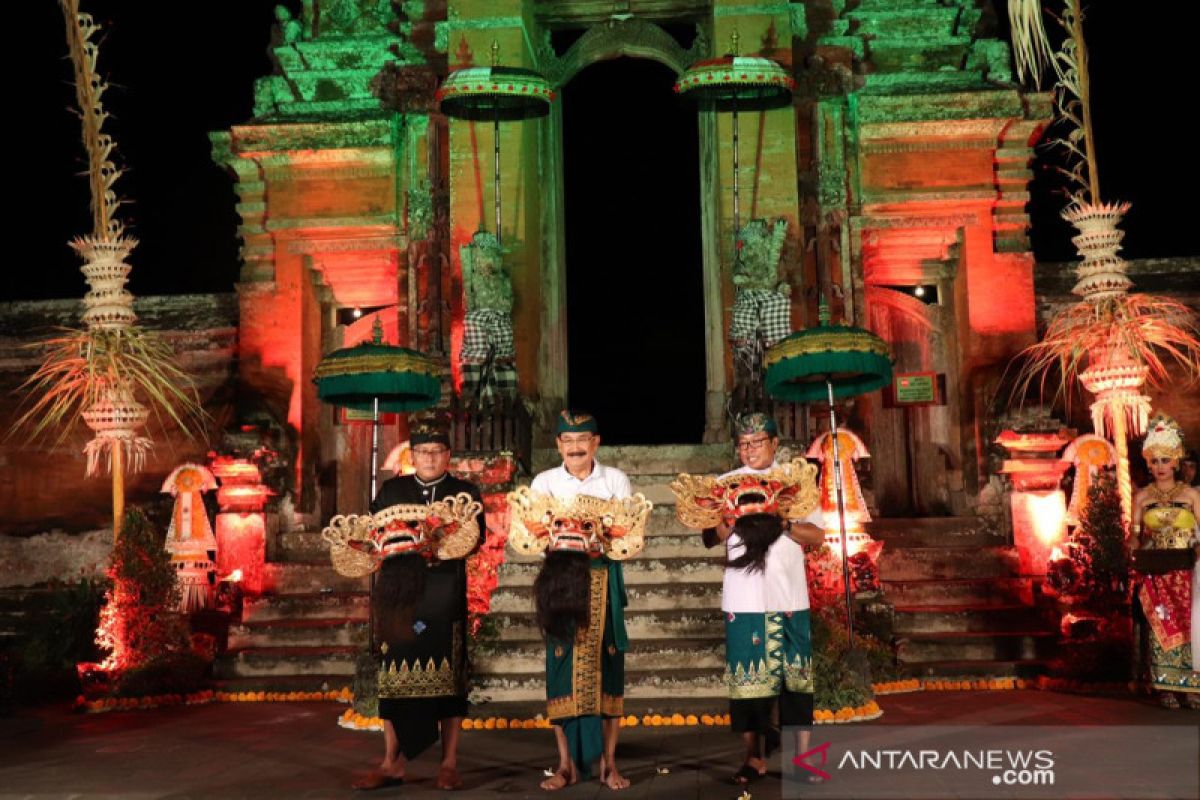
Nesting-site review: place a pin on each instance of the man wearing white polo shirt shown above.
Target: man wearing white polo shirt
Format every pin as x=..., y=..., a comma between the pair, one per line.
x=583, y=737
x=765, y=598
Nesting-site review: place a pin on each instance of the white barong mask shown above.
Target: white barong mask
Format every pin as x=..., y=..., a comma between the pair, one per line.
x=615, y=527
x=445, y=530
x=787, y=490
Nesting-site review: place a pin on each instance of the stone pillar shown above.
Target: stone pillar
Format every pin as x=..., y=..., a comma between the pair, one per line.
x=1039, y=507
x=241, y=523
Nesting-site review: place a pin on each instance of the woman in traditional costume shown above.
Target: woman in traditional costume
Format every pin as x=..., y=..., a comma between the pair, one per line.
x=1164, y=517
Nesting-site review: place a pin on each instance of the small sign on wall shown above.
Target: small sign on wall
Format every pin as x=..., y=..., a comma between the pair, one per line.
x=910, y=389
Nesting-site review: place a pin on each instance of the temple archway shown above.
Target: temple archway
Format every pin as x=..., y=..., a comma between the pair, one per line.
x=645, y=41
x=635, y=331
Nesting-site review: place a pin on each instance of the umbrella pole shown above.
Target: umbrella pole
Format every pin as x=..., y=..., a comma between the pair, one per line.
x=374, y=474
x=841, y=508
x=736, y=200
x=496, y=170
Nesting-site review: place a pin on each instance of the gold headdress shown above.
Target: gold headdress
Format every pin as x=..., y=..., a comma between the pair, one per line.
x=789, y=490
x=447, y=529
x=1164, y=440
x=615, y=528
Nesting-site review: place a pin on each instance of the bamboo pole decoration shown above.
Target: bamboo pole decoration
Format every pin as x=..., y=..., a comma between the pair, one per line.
x=118, y=489
x=1074, y=21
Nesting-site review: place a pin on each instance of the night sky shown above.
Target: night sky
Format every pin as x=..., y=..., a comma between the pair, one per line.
x=181, y=70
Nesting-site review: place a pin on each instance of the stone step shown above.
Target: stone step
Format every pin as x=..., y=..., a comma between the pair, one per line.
x=968, y=591
x=304, y=578
x=310, y=606
x=298, y=633
x=700, y=597
x=916, y=53
x=284, y=683
x=935, y=532
x=915, y=20
x=686, y=546
x=287, y=661
x=639, y=685
x=515, y=627
x=638, y=572
x=1023, y=668
x=647, y=655
x=917, y=620
x=665, y=705
x=979, y=646
x=658, y=459
x=942, y=563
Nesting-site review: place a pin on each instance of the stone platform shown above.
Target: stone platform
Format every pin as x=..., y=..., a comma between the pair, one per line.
x=296, y=750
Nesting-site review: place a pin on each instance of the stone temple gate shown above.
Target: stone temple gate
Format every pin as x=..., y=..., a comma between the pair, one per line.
x=902, y=162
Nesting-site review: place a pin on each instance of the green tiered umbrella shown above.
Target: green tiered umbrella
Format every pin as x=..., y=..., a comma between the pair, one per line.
x=737, y=83
x=375, y=377
x=498, y=94
x=828, y=362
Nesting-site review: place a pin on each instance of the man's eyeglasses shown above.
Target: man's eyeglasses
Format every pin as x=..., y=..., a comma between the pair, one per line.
x=570, y=440
x=429, y=452
x=754, y=444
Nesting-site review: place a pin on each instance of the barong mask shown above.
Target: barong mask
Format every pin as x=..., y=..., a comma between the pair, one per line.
x=787, y=490
x=444, y=530
x=615, y=528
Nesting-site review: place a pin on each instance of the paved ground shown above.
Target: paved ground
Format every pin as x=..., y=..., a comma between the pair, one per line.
x=295, y=750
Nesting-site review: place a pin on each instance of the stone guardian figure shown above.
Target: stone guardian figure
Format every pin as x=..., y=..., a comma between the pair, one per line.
x=488, y=350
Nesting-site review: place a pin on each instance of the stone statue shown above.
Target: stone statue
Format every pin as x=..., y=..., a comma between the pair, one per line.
x=488, y=347
x=762, y=310
x=288, y=30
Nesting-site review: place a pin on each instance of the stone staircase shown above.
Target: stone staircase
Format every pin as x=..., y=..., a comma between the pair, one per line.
x=961, y=606
x=676, y=656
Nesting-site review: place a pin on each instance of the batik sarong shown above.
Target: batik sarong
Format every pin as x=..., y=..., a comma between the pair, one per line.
x=585, y=677
x=768, y=660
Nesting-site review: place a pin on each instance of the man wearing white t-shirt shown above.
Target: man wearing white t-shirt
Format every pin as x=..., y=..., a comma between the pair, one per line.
x=765, y=600
x=582, y=735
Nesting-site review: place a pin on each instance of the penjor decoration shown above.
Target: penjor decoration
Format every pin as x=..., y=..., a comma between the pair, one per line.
x=113, y=373
x=1113, y=341
x=190, y=536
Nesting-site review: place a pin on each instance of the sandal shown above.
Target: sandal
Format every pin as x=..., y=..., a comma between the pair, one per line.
x=1167, y=700
x=746, y=775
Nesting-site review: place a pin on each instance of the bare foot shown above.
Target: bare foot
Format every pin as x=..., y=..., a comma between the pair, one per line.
x=610, y=777
x=563, y=777
x=448, y=779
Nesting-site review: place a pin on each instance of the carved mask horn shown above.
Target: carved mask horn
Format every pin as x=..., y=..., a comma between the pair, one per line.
x=627, y=534
x=528, y=515
x=352, y=548
x=457, y=519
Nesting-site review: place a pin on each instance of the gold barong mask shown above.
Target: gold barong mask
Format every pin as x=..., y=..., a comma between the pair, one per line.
x=615, y=528
x=444, y=530
x=788, y=490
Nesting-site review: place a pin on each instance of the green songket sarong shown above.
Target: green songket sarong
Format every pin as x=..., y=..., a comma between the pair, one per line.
x=767, y=653
x=585, y=678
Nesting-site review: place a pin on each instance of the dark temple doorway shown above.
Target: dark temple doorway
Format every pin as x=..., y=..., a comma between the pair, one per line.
x=635, y=315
